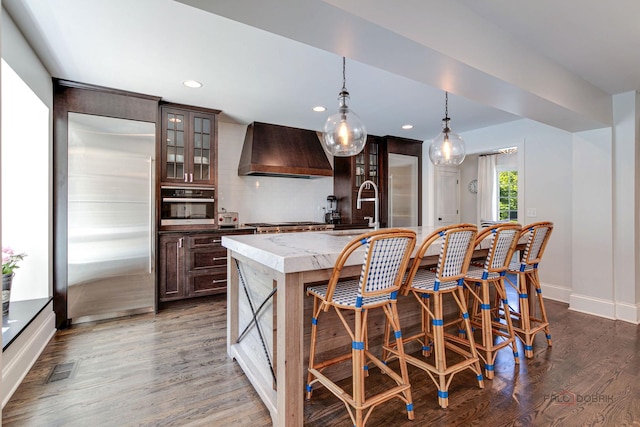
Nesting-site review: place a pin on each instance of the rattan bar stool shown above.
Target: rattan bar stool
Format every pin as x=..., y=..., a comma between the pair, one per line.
x=429, y=286
x=496, y=329
x=386, y=258
x=532, y=316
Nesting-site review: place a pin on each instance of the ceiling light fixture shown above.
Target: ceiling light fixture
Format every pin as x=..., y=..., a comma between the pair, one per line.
x=192, y=83
x=344, y=133
x=407, y=127
x=447, y=149
x=319, y=109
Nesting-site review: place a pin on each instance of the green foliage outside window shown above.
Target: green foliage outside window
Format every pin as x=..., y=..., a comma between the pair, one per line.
x=509, y=195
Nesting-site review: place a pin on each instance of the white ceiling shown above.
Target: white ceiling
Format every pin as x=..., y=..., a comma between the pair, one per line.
x=553, y=61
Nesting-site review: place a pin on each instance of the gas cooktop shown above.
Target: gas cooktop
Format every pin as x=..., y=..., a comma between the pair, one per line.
x=283, y=227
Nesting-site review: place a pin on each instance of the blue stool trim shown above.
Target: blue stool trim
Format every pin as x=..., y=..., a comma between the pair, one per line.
x=357, y=345
x=523, y=296
x=485, y=306
x=462, y=331
x=438, y=322
x=548, y=336
x=528, y=347
x=314, y=320
x=308, y=388
x=366, y=367
x=426, y=348
x=538, y=291
x=489, y=367
x=465, y=315
x=485, y=275
x=398, y=334
x=515, y=354
x=410, y=407
x=505, y=301
x=479, y=376
x=393, y=295
x=358, y=301
x=443, y=394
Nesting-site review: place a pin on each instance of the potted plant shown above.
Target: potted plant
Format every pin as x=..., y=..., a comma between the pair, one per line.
x=9, y=263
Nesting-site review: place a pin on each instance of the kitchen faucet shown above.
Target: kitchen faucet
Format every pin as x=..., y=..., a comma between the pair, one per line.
x=375, y=224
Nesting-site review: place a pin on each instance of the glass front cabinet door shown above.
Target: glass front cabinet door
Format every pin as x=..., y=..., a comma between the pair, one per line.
x=188, y=146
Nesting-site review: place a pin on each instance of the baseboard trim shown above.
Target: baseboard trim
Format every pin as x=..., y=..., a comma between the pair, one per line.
x=628, y=312
x=591, y=305
x=555, y=292
x=20, y=356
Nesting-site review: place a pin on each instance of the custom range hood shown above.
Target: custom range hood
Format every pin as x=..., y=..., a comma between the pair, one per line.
x=273, y=150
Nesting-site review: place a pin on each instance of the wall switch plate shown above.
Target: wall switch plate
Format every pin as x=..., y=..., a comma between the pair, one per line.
x=531, y=212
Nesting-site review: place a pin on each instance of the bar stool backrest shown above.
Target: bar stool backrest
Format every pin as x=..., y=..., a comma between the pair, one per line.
x=539, y=233
x=385, y=262
x=503, y=240
x=456, y=248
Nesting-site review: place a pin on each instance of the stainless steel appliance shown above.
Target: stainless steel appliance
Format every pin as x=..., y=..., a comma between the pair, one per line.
x=403, y=190
x=332, y=216
x=187, y=206
x=111, y=227
x=289, y=227
x=228, y=219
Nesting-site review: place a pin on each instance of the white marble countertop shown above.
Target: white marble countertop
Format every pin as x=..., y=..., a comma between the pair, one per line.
x=307, y=251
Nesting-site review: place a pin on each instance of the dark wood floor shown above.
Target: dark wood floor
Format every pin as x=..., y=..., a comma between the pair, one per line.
x=171, y=369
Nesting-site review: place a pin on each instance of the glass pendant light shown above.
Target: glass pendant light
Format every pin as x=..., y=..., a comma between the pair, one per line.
x=344, y=133
x=447, y=149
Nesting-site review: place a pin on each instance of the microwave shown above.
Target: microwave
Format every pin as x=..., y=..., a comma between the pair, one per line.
x=187, y=206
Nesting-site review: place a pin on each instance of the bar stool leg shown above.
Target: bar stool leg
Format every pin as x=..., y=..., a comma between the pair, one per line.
x=467, y=323
x=312, y=349
x=543, y=312
x=439, y=347
x=487, y=333
x=525, y=321
x=501, y=294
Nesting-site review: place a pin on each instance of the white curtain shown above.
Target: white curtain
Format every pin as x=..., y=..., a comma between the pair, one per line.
x=487, y=188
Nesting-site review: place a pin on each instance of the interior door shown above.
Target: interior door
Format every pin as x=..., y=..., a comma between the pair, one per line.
x=447, y=192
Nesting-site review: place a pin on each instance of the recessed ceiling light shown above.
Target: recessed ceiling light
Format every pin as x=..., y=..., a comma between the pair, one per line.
x=192, y=83
x=407, y=126
x=319, y=109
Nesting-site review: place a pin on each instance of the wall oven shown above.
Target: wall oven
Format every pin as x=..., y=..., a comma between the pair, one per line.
x=187, y=206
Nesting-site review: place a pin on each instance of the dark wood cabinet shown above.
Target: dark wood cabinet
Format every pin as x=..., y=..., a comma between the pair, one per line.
x=172, y=267
x=371, y=164
x=348, y=175
x=193, y=264
x=188, y=142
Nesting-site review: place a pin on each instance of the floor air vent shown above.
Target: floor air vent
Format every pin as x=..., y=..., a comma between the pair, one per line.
x=61, y=371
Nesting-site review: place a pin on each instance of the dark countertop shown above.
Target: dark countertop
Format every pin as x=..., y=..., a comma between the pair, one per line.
x=21, y=314
x=210, y=230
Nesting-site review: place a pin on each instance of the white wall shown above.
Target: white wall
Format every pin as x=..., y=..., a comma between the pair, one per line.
x=593, y=223
x=626, y=209
x=265, y=199
x=545, y=184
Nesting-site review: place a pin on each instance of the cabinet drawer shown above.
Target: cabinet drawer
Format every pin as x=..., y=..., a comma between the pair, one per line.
x=208, y=282
x=205, y=240
x=208, y=259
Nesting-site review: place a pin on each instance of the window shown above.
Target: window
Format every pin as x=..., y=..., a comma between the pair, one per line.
x=508, y=203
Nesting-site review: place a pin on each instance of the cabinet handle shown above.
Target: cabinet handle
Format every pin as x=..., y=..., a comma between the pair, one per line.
x=180, y=242
x=190, y=177
x=219, y=281
x=219, y=258
x=216, y=241
x=185, y=177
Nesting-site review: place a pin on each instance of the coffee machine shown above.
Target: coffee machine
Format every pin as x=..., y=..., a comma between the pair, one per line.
x=332, y=216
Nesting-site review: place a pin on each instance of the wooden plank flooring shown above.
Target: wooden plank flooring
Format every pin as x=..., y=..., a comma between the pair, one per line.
x=171, y=369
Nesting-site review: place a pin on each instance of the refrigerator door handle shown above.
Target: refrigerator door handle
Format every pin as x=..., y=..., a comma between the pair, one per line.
x=151, y=214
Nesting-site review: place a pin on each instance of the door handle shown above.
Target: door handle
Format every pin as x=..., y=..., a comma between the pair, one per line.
x=439, y=219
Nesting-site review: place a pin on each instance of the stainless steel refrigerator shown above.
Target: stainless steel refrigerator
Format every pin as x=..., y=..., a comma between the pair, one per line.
x=111, y=229
x=403, y=190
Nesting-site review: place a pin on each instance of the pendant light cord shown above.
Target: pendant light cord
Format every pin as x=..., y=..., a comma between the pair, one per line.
x=344, y=75
x=446, y=105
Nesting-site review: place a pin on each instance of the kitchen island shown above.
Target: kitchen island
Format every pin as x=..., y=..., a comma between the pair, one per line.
x=268, y=275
